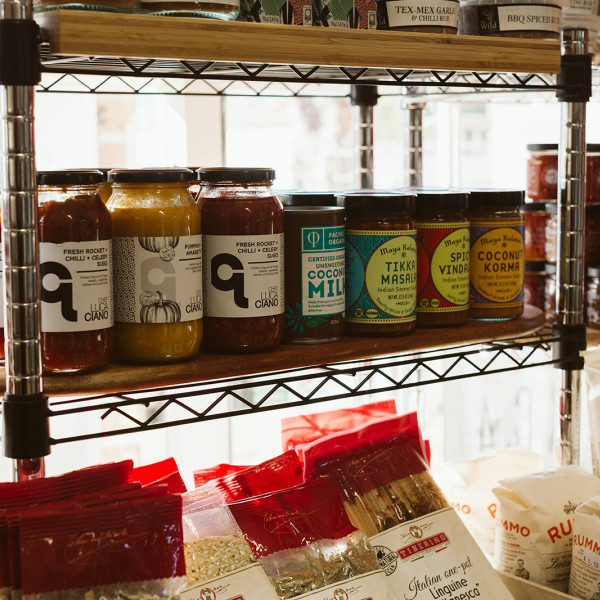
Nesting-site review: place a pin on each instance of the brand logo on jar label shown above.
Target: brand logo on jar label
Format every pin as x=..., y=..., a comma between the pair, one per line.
x=313, y=238
x=223, y=264
x=268, y=298
x=62, y=293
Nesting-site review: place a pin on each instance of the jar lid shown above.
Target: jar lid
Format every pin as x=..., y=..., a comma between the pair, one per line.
x=308, y=198
x=166, y=175
x=491, y=198
x=532, y=206
x=71, y=177
x=536, y=266
x=218, y=174
x=593, y=271
x=312, y=210
x=442, y=199
x=550, y=269
x=377, y=201
x=542, y=147
x=592, y=148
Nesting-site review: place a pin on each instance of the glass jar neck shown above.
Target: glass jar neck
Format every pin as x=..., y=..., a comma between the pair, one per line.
x=118, y=186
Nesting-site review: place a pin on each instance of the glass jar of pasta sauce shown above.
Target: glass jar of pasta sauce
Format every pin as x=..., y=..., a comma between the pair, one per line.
x=550, y=293
x=157, y=265
x=536, y=218
x=542, y=172
x=442, y=258
x=75, y=271
x=381, y=263
x=243, y=269
x=592, y=173
x=535, y=284
x=497, y=269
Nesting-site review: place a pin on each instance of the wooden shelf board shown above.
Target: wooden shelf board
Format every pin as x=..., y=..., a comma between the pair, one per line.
x=205, y=367
x=81, y=33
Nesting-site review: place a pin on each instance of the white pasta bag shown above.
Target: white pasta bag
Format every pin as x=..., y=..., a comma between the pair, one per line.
x=585, y=566
x=219, y=562
x=591, y=374
x=534, y=523
x=468, y=485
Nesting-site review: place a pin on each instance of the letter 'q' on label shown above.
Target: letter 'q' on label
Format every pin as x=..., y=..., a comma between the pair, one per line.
x=76, y=286
x=243, y=275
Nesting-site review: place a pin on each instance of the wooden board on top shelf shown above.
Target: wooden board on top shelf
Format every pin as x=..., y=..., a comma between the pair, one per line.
x=88, y=33
x=205, y=367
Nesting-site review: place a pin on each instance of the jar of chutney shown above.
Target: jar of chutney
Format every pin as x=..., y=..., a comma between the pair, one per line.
x=157, y=265
x=497, y=269
x=243, y=268
x=381, y=263
x=75, y=271
x=442, y=258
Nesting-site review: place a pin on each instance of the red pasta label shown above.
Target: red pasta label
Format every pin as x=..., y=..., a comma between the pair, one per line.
x=442, y=267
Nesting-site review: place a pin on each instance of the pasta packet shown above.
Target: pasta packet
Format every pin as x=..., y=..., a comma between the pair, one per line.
x=307, y=546
x=202, y=476
x=534, y=523
x=163, y=472
x=115, y=551
x=277, y=473
x=219, y=562
x=303, y=429
x=422, y=545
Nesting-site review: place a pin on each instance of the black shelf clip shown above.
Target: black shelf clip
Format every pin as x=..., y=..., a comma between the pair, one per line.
x=363, y=95
x=574, y=82
x=20, y=62
x=26, y=426
x=571, y=340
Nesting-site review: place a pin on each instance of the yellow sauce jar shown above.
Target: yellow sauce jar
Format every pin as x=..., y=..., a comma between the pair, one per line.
x=157, y=265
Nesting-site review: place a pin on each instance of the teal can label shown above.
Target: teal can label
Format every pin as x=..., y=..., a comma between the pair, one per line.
x=381, y=276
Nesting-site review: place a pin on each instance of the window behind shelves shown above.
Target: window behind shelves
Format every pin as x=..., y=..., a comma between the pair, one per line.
x=310, y=143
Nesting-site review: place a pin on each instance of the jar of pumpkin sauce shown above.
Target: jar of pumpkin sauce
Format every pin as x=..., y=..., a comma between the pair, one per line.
x=157, y=265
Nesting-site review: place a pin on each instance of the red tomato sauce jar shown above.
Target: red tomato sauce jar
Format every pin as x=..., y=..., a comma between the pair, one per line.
x=242, y=238
x=75, y=271
x=542, y=172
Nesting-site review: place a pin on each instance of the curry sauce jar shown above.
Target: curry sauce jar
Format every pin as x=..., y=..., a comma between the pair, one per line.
x=381, y=263
x=314, y=266
x=442, y=258
x=497, y=269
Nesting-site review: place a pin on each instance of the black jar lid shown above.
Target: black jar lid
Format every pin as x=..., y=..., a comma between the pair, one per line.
x=313, y=210
x=542, y=147
x=592, y=271
x=71, y=177
x=534, y=206
x=166, y=175
x=496, y=198
x=429, y=199
x=535, y=266
x=592, y=148
x=235, y=175
x=308, y=198
x=377, y=201
x=550, y=269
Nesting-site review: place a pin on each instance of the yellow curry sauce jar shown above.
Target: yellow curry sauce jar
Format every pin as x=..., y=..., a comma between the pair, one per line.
x=157, y=265
x=497, y=269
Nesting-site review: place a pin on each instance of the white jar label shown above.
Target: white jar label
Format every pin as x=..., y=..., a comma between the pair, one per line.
x=518, y=17
x=158, y=279
x=76, y=286
x=243, y=275
x=422, y=13
x=435, y=557
x=247, y=583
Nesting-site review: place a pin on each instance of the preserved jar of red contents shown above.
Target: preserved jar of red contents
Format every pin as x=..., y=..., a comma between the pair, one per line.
x=381, y=263
x=535, y=284
x=542, y=172
x=592, y=297
x=243, y=260
x=535, y=231
x=442, y=258
x=75, y=271
x=157, y=265
x=592, y=174
x=497, y=269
